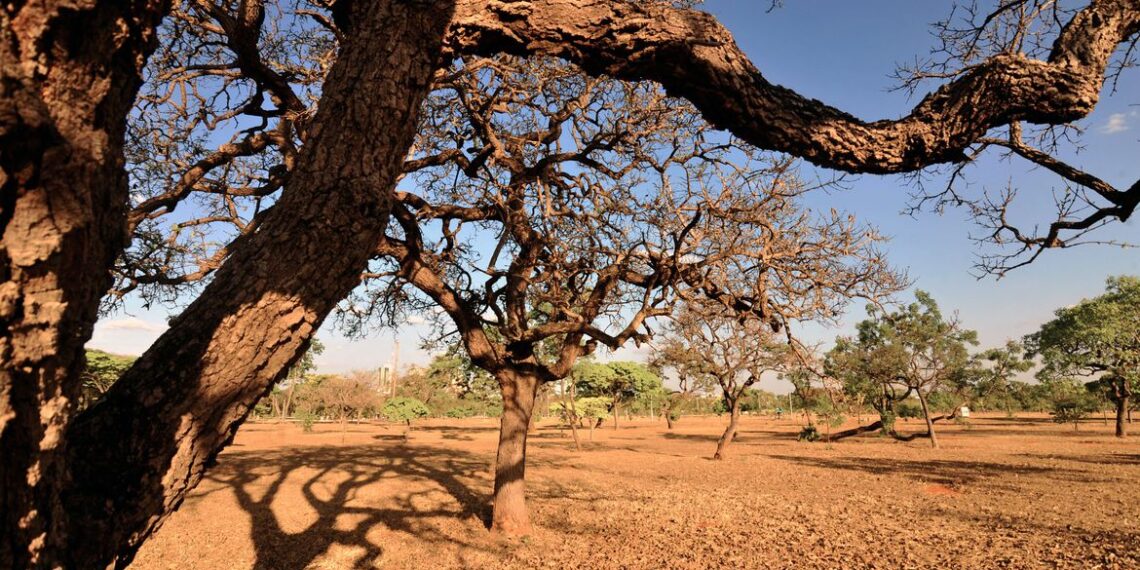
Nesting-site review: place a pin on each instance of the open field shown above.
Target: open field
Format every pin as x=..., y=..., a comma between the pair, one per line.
x=1004, y=493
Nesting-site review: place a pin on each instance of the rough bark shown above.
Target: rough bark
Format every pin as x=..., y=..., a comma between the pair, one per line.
x=149, y=441
x=509, y=512
x=695, y=57
x=729, y=432
x=69, y=72
x=929, y=421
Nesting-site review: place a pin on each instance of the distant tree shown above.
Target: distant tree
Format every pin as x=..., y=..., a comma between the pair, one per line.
x=734, y=351
x=995, y=370
x=404, y=409
x=621, y=382
x=693, y=376
x=282, y=398
x=593, y=410
x=100, y=372
x=1096, y=339
x=911, y=351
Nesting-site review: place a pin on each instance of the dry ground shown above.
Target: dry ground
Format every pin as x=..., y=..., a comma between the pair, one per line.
x=1002, y=493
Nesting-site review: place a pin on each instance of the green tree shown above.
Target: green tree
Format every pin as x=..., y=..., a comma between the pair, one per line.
x=594, y=410
x=914, y=350
x=404, y=409
x=101, y=371
x=620, y=381
x=1096, y=339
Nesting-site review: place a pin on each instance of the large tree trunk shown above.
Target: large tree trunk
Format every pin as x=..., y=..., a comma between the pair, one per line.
x=729, y=432
x=929, y=420
x=69, y=72
x=509, y=512
x=138, y=452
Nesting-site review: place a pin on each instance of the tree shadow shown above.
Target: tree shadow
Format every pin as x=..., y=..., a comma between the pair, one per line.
x=332, y=478
x=942, y=471
x=1094, y=459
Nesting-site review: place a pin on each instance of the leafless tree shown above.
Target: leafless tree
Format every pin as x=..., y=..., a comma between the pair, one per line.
x=734, y=351
x=591, y=207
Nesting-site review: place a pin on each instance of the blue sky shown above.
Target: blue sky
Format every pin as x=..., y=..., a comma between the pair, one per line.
x=843, y=53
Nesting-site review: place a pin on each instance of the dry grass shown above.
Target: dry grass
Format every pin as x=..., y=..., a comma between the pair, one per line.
x=1003, y=493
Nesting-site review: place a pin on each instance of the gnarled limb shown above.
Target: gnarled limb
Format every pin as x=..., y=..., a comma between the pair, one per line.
x=694, y=57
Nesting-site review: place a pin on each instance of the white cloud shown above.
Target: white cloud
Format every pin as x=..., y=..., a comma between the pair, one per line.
x=1117, y=123
x=131, y=324
x=416, y=320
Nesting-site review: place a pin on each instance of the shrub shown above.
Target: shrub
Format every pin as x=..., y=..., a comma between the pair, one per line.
x=459, y=412
x=908, y=411
x=808, y=434
x=307, y=419
x=1069, y=411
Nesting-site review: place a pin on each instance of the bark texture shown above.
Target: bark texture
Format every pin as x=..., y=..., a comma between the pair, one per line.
x=509, y=512
x=136, y=454
x=729, y=432
x=69, y=72
x=695, y=57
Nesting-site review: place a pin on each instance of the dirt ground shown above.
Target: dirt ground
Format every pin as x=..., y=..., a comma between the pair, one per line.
x=1002, y=493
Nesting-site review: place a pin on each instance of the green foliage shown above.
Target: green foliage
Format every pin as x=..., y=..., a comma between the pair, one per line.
x=461, y=412
x=1096, y=338
x=101, y=371
x=895, y=354
x=620, y=382
x=592, y=408
x=307, y=364
x=908, y=410
x=1096, y=335
x=307, y=419
x=1070, y=411
x=404, y=409
x=809, y=434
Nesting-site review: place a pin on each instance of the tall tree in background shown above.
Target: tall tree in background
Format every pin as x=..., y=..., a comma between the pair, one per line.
x=69, y=77
x=734, y=350
x=1097, y=338
x=911, y=351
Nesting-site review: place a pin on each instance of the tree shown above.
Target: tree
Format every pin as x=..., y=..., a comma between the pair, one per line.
x=344, y=398
x=404, y=409
x=1096, y=338
x=594, y=410
x=996, y=369
x=70, y=92
x=912, y=351
x=734, y=351
x=102, y=370
x=589, y=209
x=691, y=371
x=619, y=382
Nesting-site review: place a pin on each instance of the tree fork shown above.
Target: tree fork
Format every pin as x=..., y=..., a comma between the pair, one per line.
x=136, y=454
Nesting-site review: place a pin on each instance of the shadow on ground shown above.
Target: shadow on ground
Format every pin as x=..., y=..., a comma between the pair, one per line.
x=332, y=478
x=942, y=471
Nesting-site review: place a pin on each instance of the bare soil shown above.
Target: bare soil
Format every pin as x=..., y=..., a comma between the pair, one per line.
x=1001, y=493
